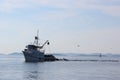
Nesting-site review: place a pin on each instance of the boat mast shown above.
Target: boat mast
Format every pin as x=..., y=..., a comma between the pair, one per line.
x=37, y=38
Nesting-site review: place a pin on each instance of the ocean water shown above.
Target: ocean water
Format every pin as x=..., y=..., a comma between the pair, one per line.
x=13, y=67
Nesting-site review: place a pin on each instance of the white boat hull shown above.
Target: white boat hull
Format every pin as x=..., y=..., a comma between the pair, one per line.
x=33, y=56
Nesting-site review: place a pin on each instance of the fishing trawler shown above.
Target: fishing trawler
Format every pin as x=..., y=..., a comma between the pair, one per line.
x=35, y=52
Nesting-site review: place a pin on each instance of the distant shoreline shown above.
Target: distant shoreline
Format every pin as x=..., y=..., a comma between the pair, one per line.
x=73, y=54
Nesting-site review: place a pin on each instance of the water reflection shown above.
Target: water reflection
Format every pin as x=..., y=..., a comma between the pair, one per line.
x=31, y=71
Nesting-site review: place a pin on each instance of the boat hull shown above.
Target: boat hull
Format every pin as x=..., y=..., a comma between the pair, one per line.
x=33, y=57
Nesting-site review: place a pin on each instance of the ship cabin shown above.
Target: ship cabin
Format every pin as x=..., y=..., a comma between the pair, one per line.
x=33, y=47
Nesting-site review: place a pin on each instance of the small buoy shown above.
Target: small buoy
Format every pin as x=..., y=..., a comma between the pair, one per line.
x=78, y=45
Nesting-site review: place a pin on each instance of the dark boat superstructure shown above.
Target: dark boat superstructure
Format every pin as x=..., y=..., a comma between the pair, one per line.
x=35, y=53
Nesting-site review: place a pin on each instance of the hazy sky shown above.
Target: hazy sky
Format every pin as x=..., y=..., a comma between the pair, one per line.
x=70, y=25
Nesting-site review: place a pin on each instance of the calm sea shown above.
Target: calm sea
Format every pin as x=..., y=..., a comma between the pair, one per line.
x=13, y=67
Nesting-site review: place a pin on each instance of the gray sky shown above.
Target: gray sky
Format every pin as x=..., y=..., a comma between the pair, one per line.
x=81, y=26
